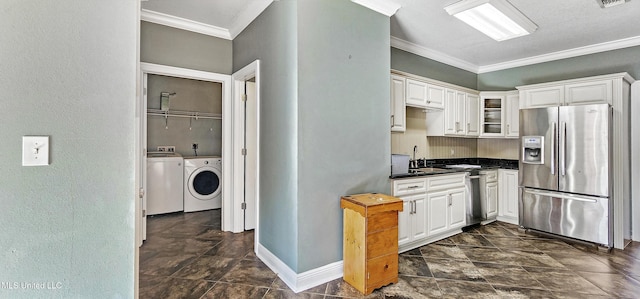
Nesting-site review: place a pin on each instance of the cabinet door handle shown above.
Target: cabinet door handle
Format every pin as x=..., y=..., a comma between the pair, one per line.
x=508, y=131
x=413, y=207
x=413, y=187
x=428, y=102
x=449, y=199
x=393, y=120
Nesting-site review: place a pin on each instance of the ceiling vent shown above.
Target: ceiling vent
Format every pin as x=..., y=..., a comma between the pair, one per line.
x=610, y=3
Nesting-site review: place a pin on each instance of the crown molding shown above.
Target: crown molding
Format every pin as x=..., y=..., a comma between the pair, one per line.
x=385, y=7
x=591, y=49
x=250, y=13
x=433, y=54
x=184, y=24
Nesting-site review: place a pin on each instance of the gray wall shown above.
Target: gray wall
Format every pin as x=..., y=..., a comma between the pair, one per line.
x=180, y=48
x=272, y=38
x=622, y=60
x=193, y=96
x=69, y=72
x=425, y=67
x=323, y=130
x=343, y=112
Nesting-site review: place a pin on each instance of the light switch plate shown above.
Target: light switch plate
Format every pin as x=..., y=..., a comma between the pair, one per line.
x=35, y=150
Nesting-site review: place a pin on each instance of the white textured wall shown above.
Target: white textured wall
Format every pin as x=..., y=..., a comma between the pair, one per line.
x=68, y=70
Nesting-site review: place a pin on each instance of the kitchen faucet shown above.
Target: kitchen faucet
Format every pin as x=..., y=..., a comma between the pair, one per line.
x=415, y=148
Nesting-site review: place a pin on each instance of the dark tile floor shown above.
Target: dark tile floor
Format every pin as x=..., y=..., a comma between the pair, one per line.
x=187, y=256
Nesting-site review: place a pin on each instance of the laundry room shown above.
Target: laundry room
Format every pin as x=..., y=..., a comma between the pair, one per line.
x=187, y=118
x=184, y=144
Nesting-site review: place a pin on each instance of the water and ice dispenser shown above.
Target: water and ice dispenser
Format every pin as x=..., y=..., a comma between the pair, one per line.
x=533, y=149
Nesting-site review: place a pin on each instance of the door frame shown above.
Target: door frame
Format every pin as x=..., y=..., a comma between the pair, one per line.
x=251, y=70
x=225, y=80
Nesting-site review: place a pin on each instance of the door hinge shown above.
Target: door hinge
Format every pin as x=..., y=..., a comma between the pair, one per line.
x=244, y=97
x=243, y=206
x=144, y=213
x=244, y=151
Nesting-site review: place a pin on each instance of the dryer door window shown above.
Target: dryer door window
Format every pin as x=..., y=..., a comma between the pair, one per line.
x=206, y=182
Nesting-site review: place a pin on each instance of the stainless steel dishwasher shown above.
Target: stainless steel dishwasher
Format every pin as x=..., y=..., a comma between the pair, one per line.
x=476, y=205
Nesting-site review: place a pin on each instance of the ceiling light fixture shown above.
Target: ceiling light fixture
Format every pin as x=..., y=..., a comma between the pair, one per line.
x=610, y=3
x=496, y=18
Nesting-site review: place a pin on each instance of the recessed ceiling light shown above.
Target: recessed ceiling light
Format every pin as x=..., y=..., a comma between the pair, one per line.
x=496, y=18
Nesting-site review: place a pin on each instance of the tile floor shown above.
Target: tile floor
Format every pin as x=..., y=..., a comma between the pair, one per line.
x=187, y=256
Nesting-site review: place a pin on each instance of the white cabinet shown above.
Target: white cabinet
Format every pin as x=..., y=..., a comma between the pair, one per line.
x=595, y=90
x=435, y=96
x=508, y=196
x=446, y=203
x=461, y=111
x=492, y=114
x=512, y=115
x=451, y=115
x=489, y=179
x=416, y=93
x=547, y=96
x=412, y=225
x=492, y=199
x=473, y=115
x=412, y=221
x=398, y=111
x=585, y=93
x=424, y=95
x=434, y=208
x=446, y=210
x=499, y=114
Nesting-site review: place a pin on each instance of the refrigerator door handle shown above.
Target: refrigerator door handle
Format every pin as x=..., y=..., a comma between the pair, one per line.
x=563, y=148
x=563, y=196
x=554, y=132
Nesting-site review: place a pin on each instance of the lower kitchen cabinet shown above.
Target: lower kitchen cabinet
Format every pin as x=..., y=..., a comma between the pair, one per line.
x=508, y=196
x=433, y=208
x=446, y=210
x=412, y=221
x=492, y=199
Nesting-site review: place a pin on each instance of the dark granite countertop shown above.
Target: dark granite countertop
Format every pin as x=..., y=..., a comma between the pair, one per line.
x=425, y=167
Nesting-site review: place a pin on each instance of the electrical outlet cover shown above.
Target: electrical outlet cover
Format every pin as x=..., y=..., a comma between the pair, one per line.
x=35, y=150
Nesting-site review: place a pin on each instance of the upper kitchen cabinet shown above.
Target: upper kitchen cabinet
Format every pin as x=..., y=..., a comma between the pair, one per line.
x=512, y=115
x=460, y=115
x=492, y=108
x=584, y=91
x=499, y=114
x=422, y=94
x=398, y=110
x=473, y=115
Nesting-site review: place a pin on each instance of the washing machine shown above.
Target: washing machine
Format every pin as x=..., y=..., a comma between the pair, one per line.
x=202, y=183
x=165, y=178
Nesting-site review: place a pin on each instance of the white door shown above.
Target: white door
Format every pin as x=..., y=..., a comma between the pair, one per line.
x=141, y=161
x=250, y=159
x=457, y=212
x=438, y=206
x=419, y=221
x=404, y=221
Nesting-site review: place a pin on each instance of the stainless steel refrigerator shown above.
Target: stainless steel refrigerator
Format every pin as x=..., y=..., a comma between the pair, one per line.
x=565, y=171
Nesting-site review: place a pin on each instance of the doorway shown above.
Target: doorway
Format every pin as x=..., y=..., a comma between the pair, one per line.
x=246, y=107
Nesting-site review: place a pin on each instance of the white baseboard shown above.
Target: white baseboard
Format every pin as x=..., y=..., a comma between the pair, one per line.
x=303, y=281
x=513, y=221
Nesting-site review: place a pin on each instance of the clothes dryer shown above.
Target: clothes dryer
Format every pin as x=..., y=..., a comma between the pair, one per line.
x=202, y=183
x=164, y=183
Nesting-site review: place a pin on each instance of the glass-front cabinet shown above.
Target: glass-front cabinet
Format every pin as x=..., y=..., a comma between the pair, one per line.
x=492, y=114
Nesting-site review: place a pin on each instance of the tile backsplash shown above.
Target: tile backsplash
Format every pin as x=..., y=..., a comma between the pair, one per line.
x=447, y=147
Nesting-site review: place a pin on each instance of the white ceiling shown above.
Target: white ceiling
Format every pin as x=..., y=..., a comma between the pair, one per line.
x=566, y=28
